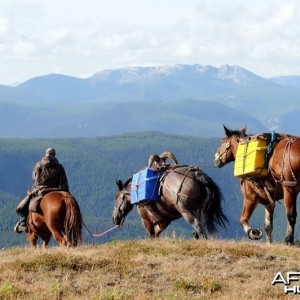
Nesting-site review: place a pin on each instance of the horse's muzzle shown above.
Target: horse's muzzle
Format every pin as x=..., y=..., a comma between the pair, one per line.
x=115, y=220
x=118, y=220
x=217, y=161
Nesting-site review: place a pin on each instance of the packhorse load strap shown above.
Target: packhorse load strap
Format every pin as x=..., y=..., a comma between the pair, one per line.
x=290, y=183
x=180, y=196
x=294, y=182
x=157, y=208
x=158, y=211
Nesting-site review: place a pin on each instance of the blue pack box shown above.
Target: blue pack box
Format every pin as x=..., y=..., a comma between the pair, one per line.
x=144, y=186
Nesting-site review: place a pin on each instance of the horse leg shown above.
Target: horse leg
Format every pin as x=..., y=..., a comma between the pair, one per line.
x=199, y=230
x=68, y=241
x=269, y=212
x=157, y=230
x=57, y=236
x=46, y=240
x=248, y=207
x=32, y=238
x=149, y=226
x=291, y=214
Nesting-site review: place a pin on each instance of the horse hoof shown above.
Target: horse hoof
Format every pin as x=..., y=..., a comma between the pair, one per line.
x=289, y=241
x=196, y=235
x=255, y=234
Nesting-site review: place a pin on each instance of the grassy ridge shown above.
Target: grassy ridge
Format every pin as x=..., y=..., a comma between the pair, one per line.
x=167, y=268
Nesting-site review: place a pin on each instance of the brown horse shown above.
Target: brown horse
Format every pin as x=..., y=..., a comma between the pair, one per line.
x=186, y=192
x=281, y=182
x=58, y=216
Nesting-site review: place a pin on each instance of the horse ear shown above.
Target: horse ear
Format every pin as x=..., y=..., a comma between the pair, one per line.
x=228, y=132
x=243, y=131
x=119, y=184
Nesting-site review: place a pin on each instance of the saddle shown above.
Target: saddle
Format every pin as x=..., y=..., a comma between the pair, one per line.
x=34, y=204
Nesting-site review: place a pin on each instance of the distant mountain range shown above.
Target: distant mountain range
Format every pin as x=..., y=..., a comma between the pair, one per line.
x=185, y=99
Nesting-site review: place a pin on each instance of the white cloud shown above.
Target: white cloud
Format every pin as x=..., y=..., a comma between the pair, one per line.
x=84, y=37
x=23, y=50
x=4, y=27
x=56, y=36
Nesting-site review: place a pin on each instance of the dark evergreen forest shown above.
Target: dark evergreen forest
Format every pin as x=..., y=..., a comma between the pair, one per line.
x=94, y=164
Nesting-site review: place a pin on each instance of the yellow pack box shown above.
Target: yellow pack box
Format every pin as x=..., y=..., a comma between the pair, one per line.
x=250, y=159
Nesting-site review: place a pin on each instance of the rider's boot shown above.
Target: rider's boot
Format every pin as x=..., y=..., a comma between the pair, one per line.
x=22, y=210
x=21, y=226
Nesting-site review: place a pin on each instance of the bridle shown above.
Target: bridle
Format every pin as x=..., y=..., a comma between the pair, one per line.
x=227, y=146
x=122, y=202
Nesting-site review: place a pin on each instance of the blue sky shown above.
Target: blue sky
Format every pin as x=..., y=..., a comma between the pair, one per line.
x=79, y=38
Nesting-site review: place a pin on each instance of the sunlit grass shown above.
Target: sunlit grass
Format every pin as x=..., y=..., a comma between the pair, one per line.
x=166, y=268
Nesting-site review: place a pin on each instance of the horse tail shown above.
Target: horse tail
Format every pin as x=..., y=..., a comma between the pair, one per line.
x=211, y=212
x=73, y=221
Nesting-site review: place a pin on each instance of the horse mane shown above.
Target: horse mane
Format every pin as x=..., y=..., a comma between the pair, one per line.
x=239, y=133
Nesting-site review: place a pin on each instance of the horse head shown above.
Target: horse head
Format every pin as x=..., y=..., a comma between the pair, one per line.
x=122, y=205
x=227, y=149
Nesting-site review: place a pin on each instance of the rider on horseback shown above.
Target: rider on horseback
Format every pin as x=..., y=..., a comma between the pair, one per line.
x=48, y=173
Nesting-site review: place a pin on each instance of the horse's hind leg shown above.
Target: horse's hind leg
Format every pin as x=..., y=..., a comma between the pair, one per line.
x=291, y=214
x=58, y=236
x=150, y=228
x=46, y=240
x=32, y=238
x=199, y=230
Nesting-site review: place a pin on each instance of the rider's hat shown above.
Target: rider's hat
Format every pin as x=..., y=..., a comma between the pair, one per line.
x=50, y=152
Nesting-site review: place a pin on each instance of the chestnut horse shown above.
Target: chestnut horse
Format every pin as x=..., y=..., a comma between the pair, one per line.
x=58, y=216
x=184, y=192
x=281, y=182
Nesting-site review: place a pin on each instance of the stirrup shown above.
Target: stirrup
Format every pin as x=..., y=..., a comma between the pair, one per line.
x=19, y=228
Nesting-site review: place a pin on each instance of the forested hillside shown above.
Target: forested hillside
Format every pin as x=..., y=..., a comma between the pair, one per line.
x=94, y=164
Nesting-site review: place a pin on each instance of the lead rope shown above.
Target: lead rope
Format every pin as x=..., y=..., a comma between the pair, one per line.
x=99, y=234
x=105, y=232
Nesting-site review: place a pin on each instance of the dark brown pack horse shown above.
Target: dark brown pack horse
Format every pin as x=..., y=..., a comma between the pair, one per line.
x=58, y=216
x=185, y=192
x=281, y=182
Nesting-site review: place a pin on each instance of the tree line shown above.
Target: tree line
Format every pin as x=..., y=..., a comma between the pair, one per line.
x=93, y=165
